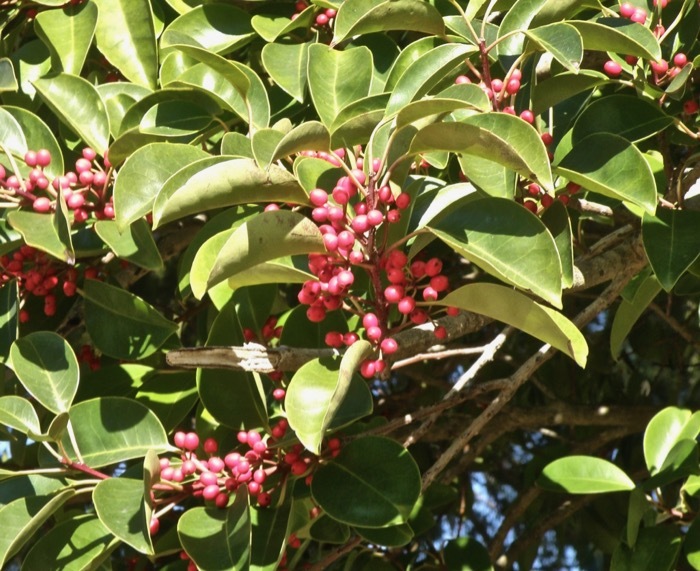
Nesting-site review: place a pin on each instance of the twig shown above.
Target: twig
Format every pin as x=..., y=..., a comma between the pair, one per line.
x=437, y=355
x=677, y=326
x=337, y=554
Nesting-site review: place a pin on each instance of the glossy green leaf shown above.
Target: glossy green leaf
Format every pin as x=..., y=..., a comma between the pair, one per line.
x=384, y=53
x=47, y=367
x=114, y=429
x=171, y=395
x=118, y=101
x=556, y=219
x=680, y=80
x=28, y=485
x=584, y=475
x=8, y=80
x=68, y=34
x=518, y=310
x=119, y=503
x=19, y=414
x=467, y=553
x=691, y=545
x=671, y=243
x=498, y=137
x=356, y=122
x=285, y=270
x=72, y=545
x=248, y=410
x=562, y=86
x=520, y=251
x=265, y=237
x=236, y=145
x=126, y=36
x=22, y=518
x=629, y=312
x=175, y=119
x=358, y=17
x=236, y=181
x=12, y=136
x=327, y=530
x=425, y=73
x=286, y=64
x=271, y=27
x=350, y=493
x=624, y=115
x=519, y=17
x=298, y=331
x=135, y=244
x=657, y=549
x=316, y=173
x=664, y=431
x=438, y=106
x=263, y=144
x=38, y=136
x=144, y=173
x=618, y=35
x=337, y=78
x=269, y=534
x=394, y=536
x=218, y=540
x=611, y=166
x=219, y=28
x=37, y=233
x=136, y=330
x=317, y=391
x=31, y=61
x=9, y=318
x=408, y=56
x=310, y=135
x=78, y=105
x=682, y=460
x=561, y=40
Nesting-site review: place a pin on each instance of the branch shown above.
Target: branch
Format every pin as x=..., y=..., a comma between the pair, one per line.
x=589, y=273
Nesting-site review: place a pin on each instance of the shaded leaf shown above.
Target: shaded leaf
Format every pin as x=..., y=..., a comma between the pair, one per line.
x=9, y=317
x=135, y=243
x=657, y=549
x=629, y=312
x=467, y=553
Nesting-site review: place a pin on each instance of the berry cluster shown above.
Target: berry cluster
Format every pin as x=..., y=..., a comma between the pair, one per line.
x=85, y=189
x=323, y=18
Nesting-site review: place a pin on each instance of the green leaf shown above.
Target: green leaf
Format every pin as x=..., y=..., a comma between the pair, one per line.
x=28, y=485
x=557, y=220
x=236, y=181
x=664, y=431
x=12, y=136
x=498, y=137
x=219, y=28
x=248, y=410
x=22, y=518
x=630, y=117
x=657, y=549
x=630, y=311
x=142, y=176
x=520, y=311
x=263, y=238
x=236, y=145
x=467, y=553
x=38, y=136
x=384, y=52
x=78, y=105
x=517, y=18
x=118, y=98
x=682, y=461
x=356, y=122
x=114, y=429
x=316, y=173
x=435, y=106
x=68, y=34
x=562, y=86
x=263, y=143
x=394, y=536
x=136, y=329
x=350, y=493
x=310, y=135
x=359, y=17
x=425, y=73
x=72, y=545
x=327, y=530
x=171, y=395
x=691, y=545
x=37, y=233
x=126, y=36
x=337, y=78
x=9, y=318
x=317, y=391
x=19, y=414
x=584, y=475
x=561, y=40
x=47, y=367
x=119, y=503
x=269, y=534
x=671, y=243
x=285, y=270
x=8, y=80
x=287, y=64
x=175, y=119
x=618, y=35
x=135, y=243
x=611, y=166
x=408, y=56
x=218, y=540
x=271, y=27
x=520, y=252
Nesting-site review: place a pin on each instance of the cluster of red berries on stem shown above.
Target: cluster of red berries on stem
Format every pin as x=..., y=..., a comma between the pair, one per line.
x=354, y=219
x=323, y=18
x=85, y=189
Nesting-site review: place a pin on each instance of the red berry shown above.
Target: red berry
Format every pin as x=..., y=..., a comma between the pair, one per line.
x=210, y=446
x=680, y=59
x=612, y=68
x=154, y=526
x=43, y=158
x=639, y=15
x=42, y=205
x=527, y=116
x=547, y=138
x=191, y=441
x=531, y=206
x=659, y=67
x=440, y=332
x=403, y=200
x=389, y=346
x=433, y=267
x=627, y=9
x=513, y=86
x=322, y=19
x=367, y=369
x=690, y=107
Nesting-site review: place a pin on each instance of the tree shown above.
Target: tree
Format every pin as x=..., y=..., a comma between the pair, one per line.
x=393, y=284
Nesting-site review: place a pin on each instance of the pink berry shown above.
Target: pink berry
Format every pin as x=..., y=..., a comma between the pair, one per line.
x=627, y=9
x=215, y=464
x=82, y=164
x=42, y=205
x=279, y=394
x=191, y=441
x=496, y=85
x=43, y=158
x=462, y=79
x=680, y=59
x=660, y=67
x=612, y=68
x=75, y=200
x=389, y=346
x=403, y=200
x=179, y=439
x=210, y=492
x=385, y=195
x=154, y=526
x=527, y=116
x=30, y=159
x=316, y=313
x=406, y=305
x=360, y=224
x=89, y=154
x=513, y=86
x=370, y=320
x=375, y=217
x=429, y=294
x=340, y=195
x=318, y=197
x=393, y=216
x=639, y=16
x=393, y=293
x=367, y=369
